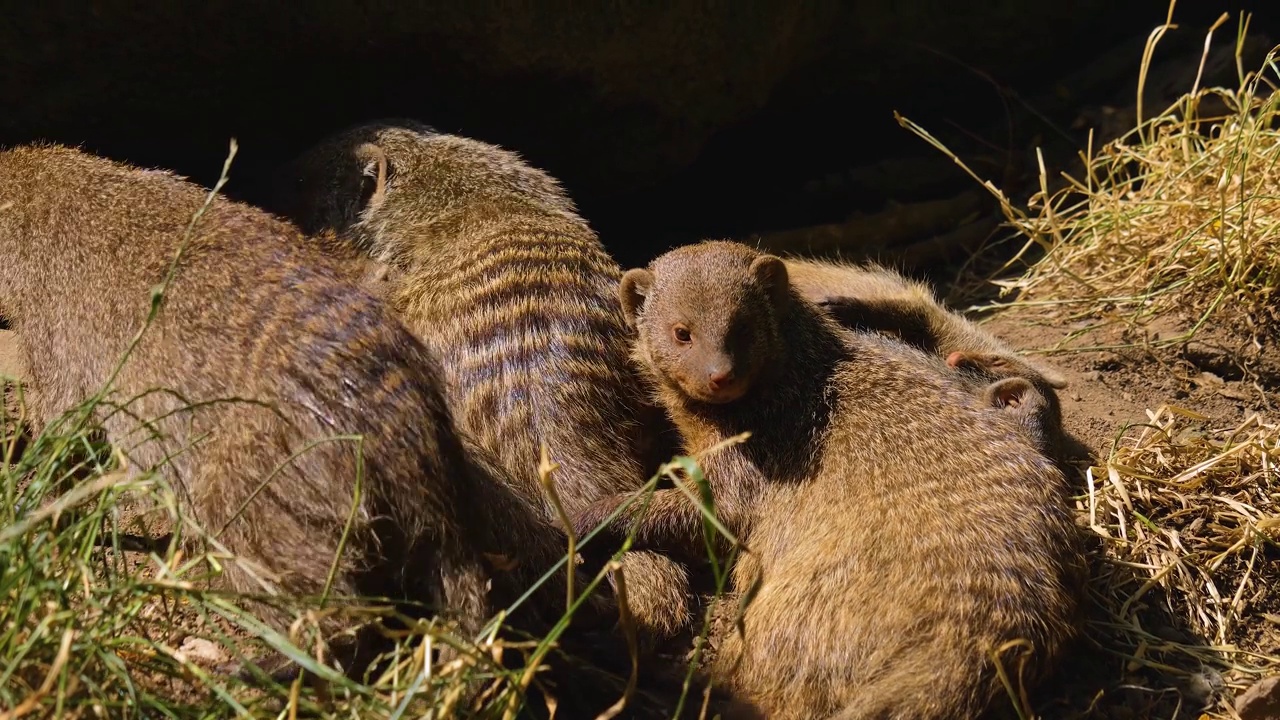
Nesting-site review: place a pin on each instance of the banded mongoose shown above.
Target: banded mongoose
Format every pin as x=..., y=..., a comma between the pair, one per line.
x=902, y=529
x=260, y=348
x=494, y=269
x=873, y=297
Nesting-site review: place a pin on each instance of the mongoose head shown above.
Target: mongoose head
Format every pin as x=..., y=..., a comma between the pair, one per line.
x=331, y=188
x=707, y=317
x=343, y=178
x=388, y=186
x=1034, y=406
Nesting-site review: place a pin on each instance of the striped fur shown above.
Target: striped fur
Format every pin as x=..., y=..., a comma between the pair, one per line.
x=875, y=298
x=251, y=315
x=498, y=274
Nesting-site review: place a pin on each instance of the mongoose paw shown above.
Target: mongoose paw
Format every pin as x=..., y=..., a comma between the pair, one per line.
x=601, y=548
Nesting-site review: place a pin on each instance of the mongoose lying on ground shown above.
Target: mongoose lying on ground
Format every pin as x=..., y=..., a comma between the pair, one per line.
x=871, y=297
x=902, y=528
x=874, y=298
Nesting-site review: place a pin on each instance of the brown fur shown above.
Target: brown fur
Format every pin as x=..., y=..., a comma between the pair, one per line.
x=493, y=268
x=901, y=527
x=875, y=298
x=376, y=277
x=285, y=351
x=1033, y=405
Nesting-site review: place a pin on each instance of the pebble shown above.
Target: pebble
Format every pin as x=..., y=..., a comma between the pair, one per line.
x=1261, y=701
x=194, y=648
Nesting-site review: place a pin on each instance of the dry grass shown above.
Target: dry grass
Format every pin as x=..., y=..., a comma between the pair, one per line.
x=1179, y=220
x=1180, y=216
x=1187, y=512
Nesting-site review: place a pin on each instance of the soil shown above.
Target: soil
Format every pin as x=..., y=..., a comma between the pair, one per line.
x=1214, y=375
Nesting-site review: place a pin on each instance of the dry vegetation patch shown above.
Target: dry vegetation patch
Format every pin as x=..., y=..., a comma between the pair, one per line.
x=1181, y=216
x=1171, y=237
x=1187, y=512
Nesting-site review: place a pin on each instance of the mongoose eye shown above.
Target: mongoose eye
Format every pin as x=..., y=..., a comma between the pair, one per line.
x=682, y=334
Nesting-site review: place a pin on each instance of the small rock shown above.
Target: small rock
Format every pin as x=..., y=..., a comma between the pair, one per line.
x=1261, y=701
x=194, y=648
x=1127, y=396
x=1201, y=687
x=1107, y=361
x=1206, y=354
x=1076, y=396
x=1208, y=378
x=1093, y=376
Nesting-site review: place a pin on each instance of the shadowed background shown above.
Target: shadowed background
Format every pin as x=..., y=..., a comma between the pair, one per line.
x=666, y=122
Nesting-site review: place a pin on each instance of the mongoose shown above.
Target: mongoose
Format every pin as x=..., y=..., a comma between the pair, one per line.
x=260, y=348
x=875, y=298
x=901, y=528
x=872, y=297
x=494, y=269
x=1032, y=404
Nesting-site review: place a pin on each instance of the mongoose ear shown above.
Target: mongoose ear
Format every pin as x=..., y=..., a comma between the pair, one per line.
x=1013, y=392
x=771, y=272
x=632, y=290
x=374, y=170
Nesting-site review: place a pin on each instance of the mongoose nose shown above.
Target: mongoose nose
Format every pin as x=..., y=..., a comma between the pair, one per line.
x=719, y=377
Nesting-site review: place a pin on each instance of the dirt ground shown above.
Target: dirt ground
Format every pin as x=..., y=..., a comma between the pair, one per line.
x=1111, y=387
